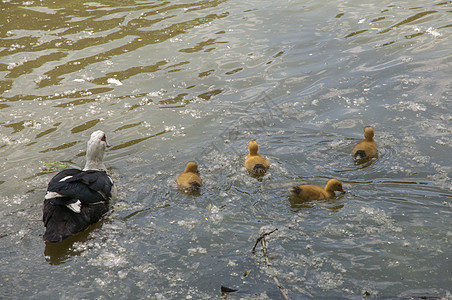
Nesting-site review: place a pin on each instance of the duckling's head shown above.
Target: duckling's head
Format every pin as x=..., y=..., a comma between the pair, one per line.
x=369, y=133
x=334, y=185
x=192, y=167
x=253, y=147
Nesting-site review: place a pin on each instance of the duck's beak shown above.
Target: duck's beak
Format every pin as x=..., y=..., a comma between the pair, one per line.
x=104, y=139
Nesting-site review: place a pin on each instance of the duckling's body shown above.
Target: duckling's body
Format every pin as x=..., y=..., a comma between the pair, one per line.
x=254, y=162
x=367, y=148
x=189, y=179
x=308, y=192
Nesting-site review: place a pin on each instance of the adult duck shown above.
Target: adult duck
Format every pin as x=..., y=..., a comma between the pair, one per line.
x=309, y=192
x=367, y=148
x=189, y=179
x=254, y=162
x=77, y=198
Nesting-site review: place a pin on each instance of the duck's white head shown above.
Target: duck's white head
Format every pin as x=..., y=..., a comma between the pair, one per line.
x=95, y=151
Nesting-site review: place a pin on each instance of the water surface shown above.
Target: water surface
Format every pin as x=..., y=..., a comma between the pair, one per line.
x=173, y=81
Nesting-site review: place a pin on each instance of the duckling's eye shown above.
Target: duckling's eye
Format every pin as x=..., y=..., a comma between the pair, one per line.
x=104, y=138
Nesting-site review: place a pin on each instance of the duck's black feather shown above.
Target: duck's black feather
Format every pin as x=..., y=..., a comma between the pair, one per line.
x=87, y=186
x=259, y=169
x=63, y=201
x=296, y=190
x=360, y=154
x=195, y=186
x=62, y=174
x=62, y=223
x=92, y=188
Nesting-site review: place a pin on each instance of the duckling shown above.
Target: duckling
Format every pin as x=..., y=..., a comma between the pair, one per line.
x=254, y=162
x=308, y=192
x=367, y=148
x=189, y=179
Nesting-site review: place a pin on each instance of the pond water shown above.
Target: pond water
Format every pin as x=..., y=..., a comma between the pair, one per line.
x=174, y=81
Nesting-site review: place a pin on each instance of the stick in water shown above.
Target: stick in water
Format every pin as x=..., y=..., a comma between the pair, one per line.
x=267, y=260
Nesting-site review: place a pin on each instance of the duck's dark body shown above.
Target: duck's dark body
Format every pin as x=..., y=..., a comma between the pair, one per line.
x=93, y=191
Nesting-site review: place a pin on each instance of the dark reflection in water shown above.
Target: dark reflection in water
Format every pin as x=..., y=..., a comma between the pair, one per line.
x=331, y=204
x=138, y=28
x=409, y=20
x=88, y=28
x=59, y=253
x=136, y=141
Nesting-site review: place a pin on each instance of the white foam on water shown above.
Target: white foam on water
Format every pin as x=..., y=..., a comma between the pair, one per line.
x=114, y=81
x=197, y=250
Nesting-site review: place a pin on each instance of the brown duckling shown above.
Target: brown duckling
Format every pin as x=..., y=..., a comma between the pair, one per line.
x=308, y=192
x=254, y=162
x=189, y=179
x=367, y=148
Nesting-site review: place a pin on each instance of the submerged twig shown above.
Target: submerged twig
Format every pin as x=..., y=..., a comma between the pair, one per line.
x=267, y=260
x=260, y=238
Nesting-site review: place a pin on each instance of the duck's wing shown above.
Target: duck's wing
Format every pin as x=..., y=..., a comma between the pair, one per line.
x=97, y=181
x=308, y=192
x=63, y=174
x=86, y=186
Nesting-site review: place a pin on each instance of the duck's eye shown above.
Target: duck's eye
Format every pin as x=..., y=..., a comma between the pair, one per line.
x=104, y=138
